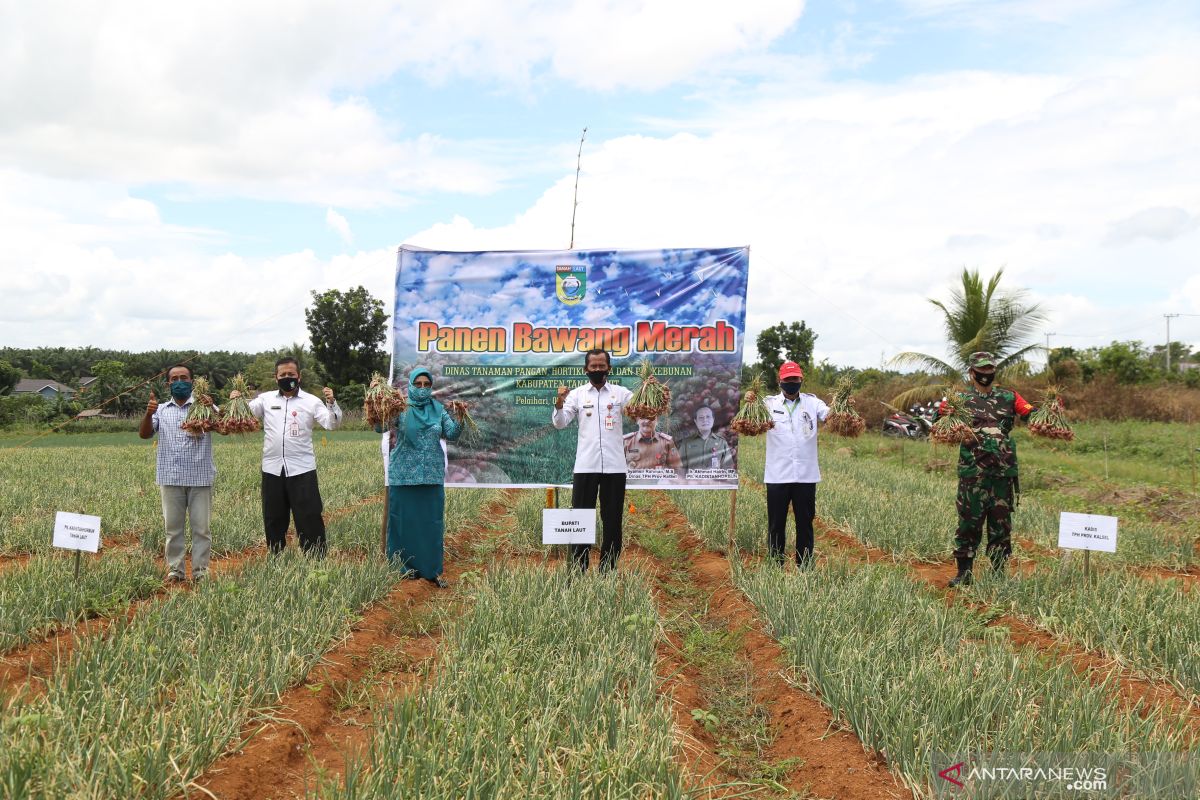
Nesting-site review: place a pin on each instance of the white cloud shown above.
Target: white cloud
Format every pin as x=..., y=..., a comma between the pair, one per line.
x=339, y=225
x=860, y=201
x=140, y=284
x=994, y=13
x=267, y=100
x=1159, y=224
x=133, y=209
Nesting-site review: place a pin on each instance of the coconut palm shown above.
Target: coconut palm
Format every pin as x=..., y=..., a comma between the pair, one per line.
x=978, y=317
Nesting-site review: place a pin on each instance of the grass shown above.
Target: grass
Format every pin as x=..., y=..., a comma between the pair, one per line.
x=926, y=678
x=911, y=513
x=1154, y=625
x=116, y=483
x=737, y=721
x=547, y=689
x=45, y=596
x=708, y=513
x=361, y=693
x=141, y=712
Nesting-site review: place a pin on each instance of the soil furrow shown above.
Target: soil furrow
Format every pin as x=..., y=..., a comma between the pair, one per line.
x=318, y=724
x=1134, y=690
x=821, y=757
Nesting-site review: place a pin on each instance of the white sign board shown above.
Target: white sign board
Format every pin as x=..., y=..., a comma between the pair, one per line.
x=76, y=531
x=1087, y=532
x=569, y=526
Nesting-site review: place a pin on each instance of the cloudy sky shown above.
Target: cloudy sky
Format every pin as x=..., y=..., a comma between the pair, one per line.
x=184, y=175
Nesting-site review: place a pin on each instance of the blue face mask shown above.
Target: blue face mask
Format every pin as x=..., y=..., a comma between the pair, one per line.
x=420, y=394
x=181, y=390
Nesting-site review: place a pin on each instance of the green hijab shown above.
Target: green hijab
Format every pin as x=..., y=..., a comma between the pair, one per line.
x=423, y=410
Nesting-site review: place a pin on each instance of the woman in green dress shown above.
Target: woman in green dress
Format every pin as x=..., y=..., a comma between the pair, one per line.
x=416, y=481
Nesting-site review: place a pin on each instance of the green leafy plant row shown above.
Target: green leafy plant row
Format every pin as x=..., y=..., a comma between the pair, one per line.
x=142, y=711
x=547, y=689
x=913, y=676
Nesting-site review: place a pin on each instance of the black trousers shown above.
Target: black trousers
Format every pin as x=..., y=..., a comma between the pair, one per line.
x=611, y=489
x=802, y=498
x=299, y=497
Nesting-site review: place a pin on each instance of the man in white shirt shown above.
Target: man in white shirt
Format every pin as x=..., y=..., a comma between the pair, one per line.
x=289, y=466
x=600, y=467
x=792, y=472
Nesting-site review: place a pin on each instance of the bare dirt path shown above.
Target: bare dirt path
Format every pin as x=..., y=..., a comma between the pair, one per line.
x=319, y=723
x=33, y=663
x=818, y=756
x=1134, y=690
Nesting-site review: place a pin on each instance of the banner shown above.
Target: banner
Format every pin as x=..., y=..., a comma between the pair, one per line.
x=503, y=330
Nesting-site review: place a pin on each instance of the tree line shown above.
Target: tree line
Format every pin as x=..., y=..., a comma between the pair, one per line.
x=347, y=329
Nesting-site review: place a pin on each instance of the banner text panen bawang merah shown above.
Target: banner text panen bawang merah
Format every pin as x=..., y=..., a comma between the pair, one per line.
x=523, y=337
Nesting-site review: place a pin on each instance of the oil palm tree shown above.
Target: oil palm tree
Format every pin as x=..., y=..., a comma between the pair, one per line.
x=978, y=317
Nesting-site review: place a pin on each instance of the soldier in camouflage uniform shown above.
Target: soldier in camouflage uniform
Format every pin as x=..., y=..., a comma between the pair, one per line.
x=987, y=469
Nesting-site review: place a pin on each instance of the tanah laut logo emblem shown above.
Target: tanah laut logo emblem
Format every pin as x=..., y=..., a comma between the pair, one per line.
x=570, y=283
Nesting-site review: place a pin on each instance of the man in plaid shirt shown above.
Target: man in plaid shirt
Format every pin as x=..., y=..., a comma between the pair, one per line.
x=184, y=475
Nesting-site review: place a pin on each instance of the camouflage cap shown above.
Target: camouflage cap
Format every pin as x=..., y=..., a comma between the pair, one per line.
x=981, y=359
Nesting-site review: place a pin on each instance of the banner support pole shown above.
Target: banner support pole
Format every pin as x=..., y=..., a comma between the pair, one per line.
x=383, y=527
x=732, y=521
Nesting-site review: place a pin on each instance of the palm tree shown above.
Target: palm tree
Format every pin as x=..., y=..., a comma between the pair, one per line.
x=978, y=317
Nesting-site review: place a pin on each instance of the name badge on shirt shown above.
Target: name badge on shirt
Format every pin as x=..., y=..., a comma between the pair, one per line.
x=294, y=427
x=609, y=422
x=276, y=408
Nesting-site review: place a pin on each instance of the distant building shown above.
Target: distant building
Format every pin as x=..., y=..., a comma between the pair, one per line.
x=95, y=413
x=87, y=381
x=48, y=389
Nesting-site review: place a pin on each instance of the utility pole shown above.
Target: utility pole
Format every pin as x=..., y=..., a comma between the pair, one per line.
x=1048, y=335
x=1168, y=317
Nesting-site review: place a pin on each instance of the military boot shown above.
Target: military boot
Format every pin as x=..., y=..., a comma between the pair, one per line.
x=999, y=562
x=963, y=578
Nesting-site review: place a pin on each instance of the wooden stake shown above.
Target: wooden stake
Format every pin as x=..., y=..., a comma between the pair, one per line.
x=78, y=556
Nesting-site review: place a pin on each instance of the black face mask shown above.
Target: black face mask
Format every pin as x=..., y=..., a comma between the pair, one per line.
x=287, y=384
x=984, y=380
x=597, y=376
x=790, y=387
